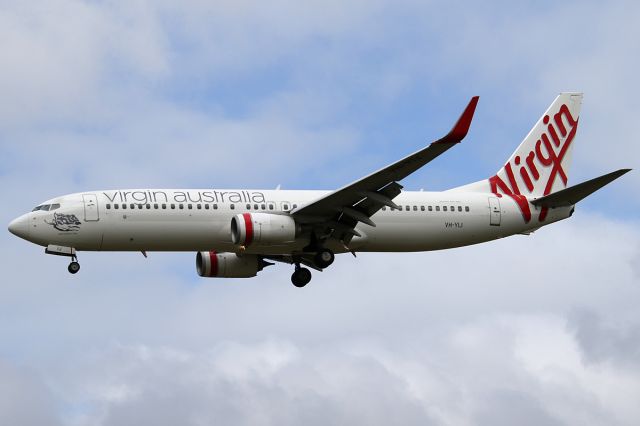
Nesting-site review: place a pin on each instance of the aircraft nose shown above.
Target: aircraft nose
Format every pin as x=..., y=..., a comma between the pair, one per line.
x=19, y=227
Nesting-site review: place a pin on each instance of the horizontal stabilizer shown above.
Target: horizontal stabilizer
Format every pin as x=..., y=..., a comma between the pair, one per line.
x=573, y=194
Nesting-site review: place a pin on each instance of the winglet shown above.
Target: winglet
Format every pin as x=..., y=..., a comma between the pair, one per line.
x=460, y=129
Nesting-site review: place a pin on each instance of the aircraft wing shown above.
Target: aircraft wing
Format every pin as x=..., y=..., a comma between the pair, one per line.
x=340, y=211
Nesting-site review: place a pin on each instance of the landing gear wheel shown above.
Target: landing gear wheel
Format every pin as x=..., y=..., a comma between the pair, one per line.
x=301, y=277
x=74, y=267
x=324, y=258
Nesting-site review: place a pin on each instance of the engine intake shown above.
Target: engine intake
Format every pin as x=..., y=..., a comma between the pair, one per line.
x=228, y=265
x=262, y=229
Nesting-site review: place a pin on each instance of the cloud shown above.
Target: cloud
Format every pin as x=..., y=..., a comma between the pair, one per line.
x=602, y=343
x=501, y=369
x=440, y=344
x=24, y=397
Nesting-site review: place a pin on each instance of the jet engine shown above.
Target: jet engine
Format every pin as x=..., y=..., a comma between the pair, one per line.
x=228, y=265
x=262, y=229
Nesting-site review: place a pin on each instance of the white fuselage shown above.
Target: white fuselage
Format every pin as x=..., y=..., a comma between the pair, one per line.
x=199, y=220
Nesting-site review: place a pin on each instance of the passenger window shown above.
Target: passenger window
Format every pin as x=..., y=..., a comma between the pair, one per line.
x=155, y=206
x=215, y=207
x=466, y=209
x=453, y=209
x=164, y=206
x=285, y=207
x=139, y=206
x=206, y=206
x=108, y=207
x=415, y=208
x=444, y=208
x=190, y=206
x=115, y=206
x=124, y=206
x=248, y=206
x=400, y=208
x=430, y=208
x=408, y=208
x=384, y=208
x=270, y=206
x=173, y=206
x=295, y=206
x=422, y=208
x=264, y=207
x=232, y=206
x=181, y=206
x=148, y=206
x=437, y=208
x=255, y=207
x=459, y=208
x=132, y=206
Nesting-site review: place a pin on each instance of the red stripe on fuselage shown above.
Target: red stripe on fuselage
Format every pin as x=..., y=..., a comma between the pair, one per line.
x=248, y=226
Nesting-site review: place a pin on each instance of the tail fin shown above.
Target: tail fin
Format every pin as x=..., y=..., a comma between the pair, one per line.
x=540, y=165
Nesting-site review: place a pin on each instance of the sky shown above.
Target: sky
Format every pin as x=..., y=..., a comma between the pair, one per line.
x=540, y=330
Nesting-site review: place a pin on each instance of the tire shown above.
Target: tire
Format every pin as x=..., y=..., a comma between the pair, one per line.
x=301, y=277
x=73, y=268
x=324, y=258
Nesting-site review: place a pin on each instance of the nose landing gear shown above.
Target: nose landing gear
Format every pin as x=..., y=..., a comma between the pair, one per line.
x=74, y=266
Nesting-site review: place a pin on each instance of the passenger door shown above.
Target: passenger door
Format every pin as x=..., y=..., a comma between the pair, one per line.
x=90, y=207
x=494, y=211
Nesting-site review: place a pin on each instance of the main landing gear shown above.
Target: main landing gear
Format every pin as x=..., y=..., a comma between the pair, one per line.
x=301, y=276
x=322, y=259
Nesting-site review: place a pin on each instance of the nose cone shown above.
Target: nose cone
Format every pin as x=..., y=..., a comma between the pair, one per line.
x=19, y=227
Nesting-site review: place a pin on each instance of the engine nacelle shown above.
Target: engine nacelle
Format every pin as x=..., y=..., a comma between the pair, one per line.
x=262, y=229
x=228, y=265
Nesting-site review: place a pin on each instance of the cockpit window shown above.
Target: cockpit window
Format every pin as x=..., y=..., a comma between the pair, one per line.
x=46, y=207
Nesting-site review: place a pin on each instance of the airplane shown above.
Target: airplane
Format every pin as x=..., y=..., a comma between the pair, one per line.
x=236, y=233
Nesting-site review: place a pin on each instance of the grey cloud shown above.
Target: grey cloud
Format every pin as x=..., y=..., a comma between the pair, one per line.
x=25, y=399
x=507, y=407
x=602, y=342
x=466, y=377
x=230, y=385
